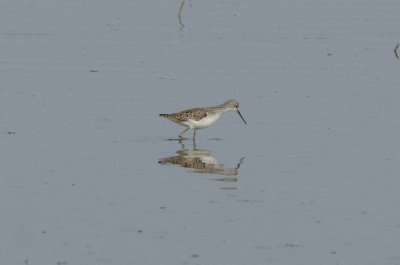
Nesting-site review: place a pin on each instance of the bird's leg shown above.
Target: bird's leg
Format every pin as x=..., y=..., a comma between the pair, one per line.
x=194, y=144
x=181, y=141
x=181, y=134
x=194, y=134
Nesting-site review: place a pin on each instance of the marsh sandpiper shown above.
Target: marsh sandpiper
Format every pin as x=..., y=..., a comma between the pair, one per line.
x=199, y=118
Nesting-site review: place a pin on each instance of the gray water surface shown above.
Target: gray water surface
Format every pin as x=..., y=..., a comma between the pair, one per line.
x=89, y=175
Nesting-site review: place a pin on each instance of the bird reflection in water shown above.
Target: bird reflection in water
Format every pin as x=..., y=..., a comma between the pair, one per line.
x=201, y=161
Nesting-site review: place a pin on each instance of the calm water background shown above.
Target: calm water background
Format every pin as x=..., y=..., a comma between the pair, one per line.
x=82, y=83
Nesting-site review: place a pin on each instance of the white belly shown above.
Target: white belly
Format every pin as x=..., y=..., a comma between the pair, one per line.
x=203, y=123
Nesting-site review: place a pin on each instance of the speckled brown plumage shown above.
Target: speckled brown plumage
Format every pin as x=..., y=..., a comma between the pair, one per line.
x=193, y=114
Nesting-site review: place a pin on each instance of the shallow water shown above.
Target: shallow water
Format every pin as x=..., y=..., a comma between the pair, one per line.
x=90, y=175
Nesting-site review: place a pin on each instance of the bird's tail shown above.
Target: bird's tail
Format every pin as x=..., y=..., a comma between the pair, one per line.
x=164, y=115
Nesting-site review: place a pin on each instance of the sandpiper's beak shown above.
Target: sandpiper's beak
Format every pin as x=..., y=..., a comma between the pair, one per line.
x=241, y=116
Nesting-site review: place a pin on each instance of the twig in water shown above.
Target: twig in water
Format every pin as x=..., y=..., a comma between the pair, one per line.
x=180, y=12
x=395, y=50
